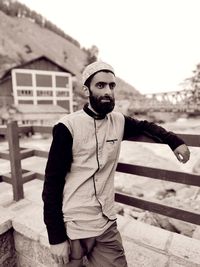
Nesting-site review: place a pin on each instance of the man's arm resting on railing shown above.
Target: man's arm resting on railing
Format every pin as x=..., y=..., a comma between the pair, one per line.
x=135, y=127
x=58, y=164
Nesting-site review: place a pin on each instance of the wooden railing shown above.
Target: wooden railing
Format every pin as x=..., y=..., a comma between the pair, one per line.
x=17, y=177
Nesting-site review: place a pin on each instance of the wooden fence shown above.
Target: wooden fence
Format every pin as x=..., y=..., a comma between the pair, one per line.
x=17, y=177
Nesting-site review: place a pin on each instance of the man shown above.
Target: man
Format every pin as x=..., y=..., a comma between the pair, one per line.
x=78, y=190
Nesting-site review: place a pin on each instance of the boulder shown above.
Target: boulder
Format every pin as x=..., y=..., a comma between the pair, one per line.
x=196, y=233
x=196, y=167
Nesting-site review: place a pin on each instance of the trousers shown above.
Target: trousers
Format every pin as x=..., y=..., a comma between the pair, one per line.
x=105, y=250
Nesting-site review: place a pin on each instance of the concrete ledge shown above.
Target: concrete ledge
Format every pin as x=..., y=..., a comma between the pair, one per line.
x=141, y=256
x=149, y=246
x=30, y=223
x=5, y=220
x=187, y=249
x=147, y=235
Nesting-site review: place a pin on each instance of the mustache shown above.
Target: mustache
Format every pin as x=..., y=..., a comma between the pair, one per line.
x=106, y=98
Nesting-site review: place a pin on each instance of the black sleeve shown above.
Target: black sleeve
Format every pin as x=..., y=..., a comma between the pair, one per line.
x=135, y=127
x=58, y=164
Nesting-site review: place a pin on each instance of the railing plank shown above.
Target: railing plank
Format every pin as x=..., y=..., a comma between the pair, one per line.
x=3, y=129
x=161, y=174
x=28, y=176
x=25, y=129
x=6, y=178
x=40, y=153
x=42, y=129
x=26, y=153
x=39, y=176
x=4, y=155
x=189, y=139
x=175, y=213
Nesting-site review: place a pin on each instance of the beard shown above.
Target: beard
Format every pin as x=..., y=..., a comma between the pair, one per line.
x=102, y=104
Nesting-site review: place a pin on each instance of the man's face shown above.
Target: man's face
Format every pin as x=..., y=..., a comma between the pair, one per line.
x=101, y=97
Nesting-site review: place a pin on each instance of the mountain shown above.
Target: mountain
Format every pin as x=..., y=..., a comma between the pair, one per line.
x=23, y=39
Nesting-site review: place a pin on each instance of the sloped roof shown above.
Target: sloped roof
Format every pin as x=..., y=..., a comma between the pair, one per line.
x=8, y=71
x=29, y=108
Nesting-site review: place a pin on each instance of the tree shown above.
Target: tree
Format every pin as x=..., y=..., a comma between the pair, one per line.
x=192, y=84
x=93, y=54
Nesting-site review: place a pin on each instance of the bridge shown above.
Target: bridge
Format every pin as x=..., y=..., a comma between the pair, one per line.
x=183, y=101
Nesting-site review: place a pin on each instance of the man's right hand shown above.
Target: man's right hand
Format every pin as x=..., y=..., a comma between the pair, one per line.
x=60, y=252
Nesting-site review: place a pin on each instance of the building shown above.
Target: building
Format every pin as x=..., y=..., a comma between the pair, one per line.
x=38, y=91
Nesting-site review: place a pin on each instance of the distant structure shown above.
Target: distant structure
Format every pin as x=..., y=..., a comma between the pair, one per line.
x=39, y=91
x=184, y=101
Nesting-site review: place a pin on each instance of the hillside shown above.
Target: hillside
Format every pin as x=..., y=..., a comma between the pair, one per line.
x=21, y=40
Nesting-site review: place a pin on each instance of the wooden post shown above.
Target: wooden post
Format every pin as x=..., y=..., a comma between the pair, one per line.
x=15, y=160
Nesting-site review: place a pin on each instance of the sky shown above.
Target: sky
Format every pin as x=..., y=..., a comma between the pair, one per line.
x=153, y=45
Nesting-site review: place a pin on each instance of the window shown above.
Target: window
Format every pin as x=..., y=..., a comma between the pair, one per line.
x=62, y=81
x=44, y=93
x=62, y=93
x=43, y=80
x=24, y=92
x=23, y=79
x=26, y=101
x=45, y=102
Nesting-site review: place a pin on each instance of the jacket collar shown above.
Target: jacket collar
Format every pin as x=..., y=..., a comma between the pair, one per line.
x=92, y=114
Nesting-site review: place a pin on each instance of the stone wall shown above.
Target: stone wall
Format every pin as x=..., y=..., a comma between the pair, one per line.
x=7, y=249
x=32, y=253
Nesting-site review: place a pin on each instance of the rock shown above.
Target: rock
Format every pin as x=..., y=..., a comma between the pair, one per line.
x=164, y=222
x=148, y=218
x=119, y=208
x=133, y=212
x=187, y=192
x=196, y=167
x=165, y=193
x=182, y=227
x=196, y=233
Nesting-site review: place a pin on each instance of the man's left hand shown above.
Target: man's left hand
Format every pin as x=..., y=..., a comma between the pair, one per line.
x=182, y=153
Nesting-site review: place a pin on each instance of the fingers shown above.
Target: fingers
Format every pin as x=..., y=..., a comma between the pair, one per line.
x=182, y=153
x=65, y=260
x=184, y=157
x=60, y=252
x=60, y=259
